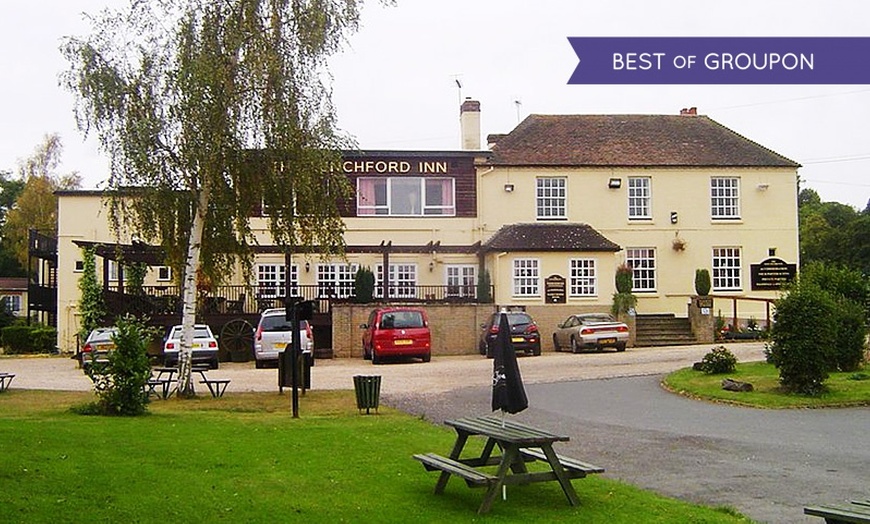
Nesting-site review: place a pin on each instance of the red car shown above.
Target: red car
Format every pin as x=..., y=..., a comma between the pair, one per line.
x=397, y=332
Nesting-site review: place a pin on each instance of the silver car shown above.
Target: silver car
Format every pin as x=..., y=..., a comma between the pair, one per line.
x=205, y=346
x=273, y=335
x=590, y=331
x=97, y=347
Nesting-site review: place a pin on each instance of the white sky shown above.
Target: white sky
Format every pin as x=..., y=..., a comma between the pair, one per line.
x=394, y=86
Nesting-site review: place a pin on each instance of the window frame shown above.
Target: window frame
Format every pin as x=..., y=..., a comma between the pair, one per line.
x=727, y=277
x=526, y=277
x=725, y=198
x=583, y=285
x=642, y=261
x=403, y=280
x=463, y=281
x=640, y=205
x=336, y=280
x=550, y=206
x=447, y=207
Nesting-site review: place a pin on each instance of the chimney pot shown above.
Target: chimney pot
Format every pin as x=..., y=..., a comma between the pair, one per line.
x=690, y=111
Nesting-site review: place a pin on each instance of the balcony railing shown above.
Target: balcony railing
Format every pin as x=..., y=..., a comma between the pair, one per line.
x=247, y=300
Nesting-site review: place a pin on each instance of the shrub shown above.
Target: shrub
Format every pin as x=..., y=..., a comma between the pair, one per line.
x=718, y=360
x=802, y=338
x=484, y=288
x=20, y=339
x=364, y=286
x=120, y=382
x=702, y=282
x=851, y=334
x=623, y=303
x=624, y=279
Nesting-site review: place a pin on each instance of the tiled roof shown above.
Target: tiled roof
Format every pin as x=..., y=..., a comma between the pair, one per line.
x=560, y=236
x=630, y=140
x=13, y=283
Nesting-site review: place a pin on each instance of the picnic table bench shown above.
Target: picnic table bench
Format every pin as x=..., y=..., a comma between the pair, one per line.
x=5, y=380
x=518, y=445
x=856, y=512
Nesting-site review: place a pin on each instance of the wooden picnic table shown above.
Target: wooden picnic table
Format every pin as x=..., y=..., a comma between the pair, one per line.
x=856, y=512
x=517, y=444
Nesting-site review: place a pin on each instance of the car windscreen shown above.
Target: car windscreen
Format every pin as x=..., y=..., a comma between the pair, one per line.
x=402, y=320
x=593, y=319
x=519, y=319
x=279, y=323
x=199, y=332
x=101, y=336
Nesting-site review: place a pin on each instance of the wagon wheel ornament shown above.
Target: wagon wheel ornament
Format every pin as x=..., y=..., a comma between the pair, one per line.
x=237, y=338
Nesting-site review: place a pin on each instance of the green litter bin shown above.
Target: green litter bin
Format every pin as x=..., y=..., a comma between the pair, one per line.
x=368, y=392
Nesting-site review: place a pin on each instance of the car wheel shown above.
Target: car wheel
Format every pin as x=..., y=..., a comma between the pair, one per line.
x=556, y=343
x=375, y=358
x=575, y=348
x=427, y=357
x=536, y=351
x=367, y=355
x=258, y=364
x=620, y=347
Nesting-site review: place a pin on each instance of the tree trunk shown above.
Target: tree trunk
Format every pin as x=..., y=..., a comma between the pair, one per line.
x=188, y=314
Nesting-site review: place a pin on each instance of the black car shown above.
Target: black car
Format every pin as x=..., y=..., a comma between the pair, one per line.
x=524, y=334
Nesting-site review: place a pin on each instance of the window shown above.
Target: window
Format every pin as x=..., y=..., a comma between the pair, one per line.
x=639, y=198
x=79, y=267
x=11, y=304
x=335, y=280
x=584, y=281
x=403, y=281
x=461, y=281
x=526, y=279
x=643, y=264
x=406, y=196
x=114, y=270
x=725, y=197
x=271, y=280
x=726, y=269
x=551, y=199
x=164, y=273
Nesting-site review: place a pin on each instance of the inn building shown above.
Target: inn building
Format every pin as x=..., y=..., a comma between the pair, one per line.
x=538, y=219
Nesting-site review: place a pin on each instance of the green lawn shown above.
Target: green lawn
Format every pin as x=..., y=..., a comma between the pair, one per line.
x=843, y=389
x=243, y=458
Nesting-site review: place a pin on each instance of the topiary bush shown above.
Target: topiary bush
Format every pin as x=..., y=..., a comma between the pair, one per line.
x=364, y=286
x=802, y=338
x=484, y=288
x=702, y=282
x=623, y=300
x=718, y=360
x=624, y=279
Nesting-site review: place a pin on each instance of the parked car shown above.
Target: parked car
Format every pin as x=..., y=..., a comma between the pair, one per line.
x=274, y=334
x=397, y=332
x=205, y=346
x=97, y=346
x=524, y=334
x=590, y=331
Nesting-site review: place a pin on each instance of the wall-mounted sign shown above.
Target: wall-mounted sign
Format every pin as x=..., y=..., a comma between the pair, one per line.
x=771, y=274
x=554, y=289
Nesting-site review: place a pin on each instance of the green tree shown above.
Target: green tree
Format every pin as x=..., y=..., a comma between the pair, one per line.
x=91, y=307
x=36, y=205
x=209, y=110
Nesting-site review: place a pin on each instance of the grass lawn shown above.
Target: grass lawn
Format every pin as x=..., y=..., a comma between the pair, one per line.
x=844, y=389
x=243, y=458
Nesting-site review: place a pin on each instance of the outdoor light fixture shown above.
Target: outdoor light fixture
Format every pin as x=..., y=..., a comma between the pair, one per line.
x=674, y=217
x=307, y=267
x=509, y=188
x=614, y=183
x=432, y=265
x=762, y=187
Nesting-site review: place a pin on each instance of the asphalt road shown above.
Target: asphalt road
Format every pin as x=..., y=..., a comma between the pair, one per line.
x=768, y=464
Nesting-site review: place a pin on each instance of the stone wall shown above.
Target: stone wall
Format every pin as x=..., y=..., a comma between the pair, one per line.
x=702, y=319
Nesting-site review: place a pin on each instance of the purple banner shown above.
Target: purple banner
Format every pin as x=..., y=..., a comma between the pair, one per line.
x=702, y=60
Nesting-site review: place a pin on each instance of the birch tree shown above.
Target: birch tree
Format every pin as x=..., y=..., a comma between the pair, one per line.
x=209, y=109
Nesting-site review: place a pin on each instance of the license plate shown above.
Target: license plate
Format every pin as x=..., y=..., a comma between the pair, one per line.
x=517, y=339
x=606, y=340
x=196, y=345
x=403, y=342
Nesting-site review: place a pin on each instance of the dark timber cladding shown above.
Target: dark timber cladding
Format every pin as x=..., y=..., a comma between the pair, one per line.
x=458, y=165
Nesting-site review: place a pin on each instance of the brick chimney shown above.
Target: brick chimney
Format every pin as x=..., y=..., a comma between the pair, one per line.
x=692, y=111
x=469, y=124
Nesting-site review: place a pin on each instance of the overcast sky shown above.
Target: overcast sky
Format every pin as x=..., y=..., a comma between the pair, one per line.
x=395, y=84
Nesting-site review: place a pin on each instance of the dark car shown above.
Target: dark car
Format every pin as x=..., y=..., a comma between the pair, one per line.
x=524, y=334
